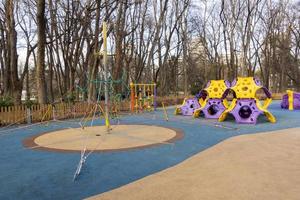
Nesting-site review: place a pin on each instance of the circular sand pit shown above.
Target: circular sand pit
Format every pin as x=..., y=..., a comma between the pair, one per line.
x=121, y=137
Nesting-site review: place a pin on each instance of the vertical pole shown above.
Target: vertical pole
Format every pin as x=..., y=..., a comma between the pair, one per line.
x=132, y=95
x=144, y=97
x=53, y=112
x=154, y=96
x=28, y=112
x=104, y=34
x=136, y=98
x=140, y=97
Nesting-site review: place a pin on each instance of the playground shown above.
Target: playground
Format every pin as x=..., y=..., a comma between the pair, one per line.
x=147, y=157
x=150, y=100
x=226, y=142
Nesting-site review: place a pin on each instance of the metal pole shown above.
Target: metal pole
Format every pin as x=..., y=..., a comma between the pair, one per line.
x=104, y=34
x=155, y=94
x=28, y=115
x=132, y=97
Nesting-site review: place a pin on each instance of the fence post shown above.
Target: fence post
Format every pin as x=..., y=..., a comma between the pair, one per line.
x=53, y=112
x=28, y=114
x=155, y=97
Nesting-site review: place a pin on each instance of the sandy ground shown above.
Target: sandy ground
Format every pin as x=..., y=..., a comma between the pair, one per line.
x=96, y=138
x=257, y=167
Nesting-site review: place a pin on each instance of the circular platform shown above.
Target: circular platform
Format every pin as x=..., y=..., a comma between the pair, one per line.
x=121, y=137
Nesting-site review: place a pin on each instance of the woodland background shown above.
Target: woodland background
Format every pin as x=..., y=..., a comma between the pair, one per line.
x=50, y=48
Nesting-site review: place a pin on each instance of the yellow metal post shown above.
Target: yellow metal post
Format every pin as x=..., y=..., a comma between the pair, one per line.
x=104, y=34
x=290, y=99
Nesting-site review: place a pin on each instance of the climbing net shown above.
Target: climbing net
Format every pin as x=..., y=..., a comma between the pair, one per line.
x=115, y=99
x=118, y=90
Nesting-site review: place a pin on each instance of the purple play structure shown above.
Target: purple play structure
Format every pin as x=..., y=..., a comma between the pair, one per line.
x=245, y=107
x=294, y=98
x=213, y=105
x=188, y=107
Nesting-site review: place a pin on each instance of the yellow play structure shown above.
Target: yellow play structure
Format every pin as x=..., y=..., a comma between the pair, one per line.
x=211, y=99
x=245, y=106
x=142, y=97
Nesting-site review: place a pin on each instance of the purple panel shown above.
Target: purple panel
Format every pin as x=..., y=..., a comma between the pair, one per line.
x=267, y=92
x=207, y=84
x=233, y=83
x=285, y=102
x=246, y=111
x=257, y=81
x=202, y=95
x=296, y=100
x=190, y=106
x=227, y=83
x=214, y=108
x=226, y=92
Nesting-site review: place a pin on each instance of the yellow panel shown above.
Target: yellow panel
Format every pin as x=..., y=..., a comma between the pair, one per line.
x=267, y=102
x=229, y=109
x=269, y=116
x=290, y=94
x=184, y=100
x=177, y=111
x=198, y=111
x=245, y=87
x=216, y=89
x=226, y=103
x=202, y=102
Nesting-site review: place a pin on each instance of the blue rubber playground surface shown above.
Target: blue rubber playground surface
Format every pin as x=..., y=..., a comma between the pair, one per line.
x=35, y=174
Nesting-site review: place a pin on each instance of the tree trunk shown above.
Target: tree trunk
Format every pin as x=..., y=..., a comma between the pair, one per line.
x=117, y=72
x=40, y=66
x=16, y=84
x=94, y=63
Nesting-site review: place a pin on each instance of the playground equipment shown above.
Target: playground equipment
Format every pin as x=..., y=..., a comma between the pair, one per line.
x=188, y=107
x=245, y=107
x=107, y=112
x=211, y=99
x=291, y=100
x=115, y=97
x=142, y=97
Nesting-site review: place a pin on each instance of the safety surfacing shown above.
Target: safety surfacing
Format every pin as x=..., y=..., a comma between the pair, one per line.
x=103, y=139
x=27, y=173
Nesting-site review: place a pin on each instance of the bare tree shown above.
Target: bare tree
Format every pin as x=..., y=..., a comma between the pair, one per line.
x=40, y=68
